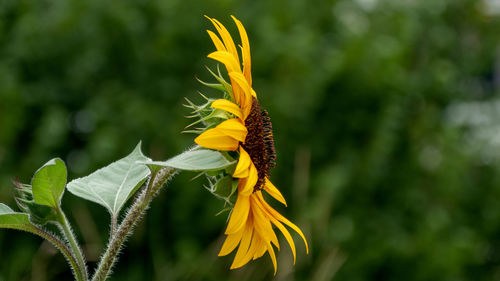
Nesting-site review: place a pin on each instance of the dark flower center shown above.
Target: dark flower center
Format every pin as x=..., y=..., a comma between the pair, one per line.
x=259, y=142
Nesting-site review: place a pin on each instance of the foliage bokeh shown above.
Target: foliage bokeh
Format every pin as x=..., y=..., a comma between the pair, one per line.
x=385, y=118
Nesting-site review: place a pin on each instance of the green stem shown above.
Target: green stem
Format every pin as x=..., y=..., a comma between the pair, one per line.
x=70, y=236
x=61, y=246
x=133, y=215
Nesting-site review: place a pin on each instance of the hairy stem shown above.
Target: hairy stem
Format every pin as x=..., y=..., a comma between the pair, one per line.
x=113, y=225
x=73, y=244
x=61, y=246
x=133, y=215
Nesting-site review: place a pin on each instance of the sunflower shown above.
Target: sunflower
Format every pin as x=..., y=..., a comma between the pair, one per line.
x=248, y=133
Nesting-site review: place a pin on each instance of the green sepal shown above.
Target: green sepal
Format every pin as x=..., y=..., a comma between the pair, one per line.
x=216, y=86
x=227, y=86
x=227, y=209
x=208, y=116
x=224, y=188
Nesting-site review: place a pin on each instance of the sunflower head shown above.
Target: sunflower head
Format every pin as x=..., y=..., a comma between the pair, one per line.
x=238, y=126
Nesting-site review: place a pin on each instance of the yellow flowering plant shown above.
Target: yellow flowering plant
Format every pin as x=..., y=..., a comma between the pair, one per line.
x=238, y=124
x=235, y=150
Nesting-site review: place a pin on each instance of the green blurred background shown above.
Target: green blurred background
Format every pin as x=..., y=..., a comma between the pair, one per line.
x=385, y=112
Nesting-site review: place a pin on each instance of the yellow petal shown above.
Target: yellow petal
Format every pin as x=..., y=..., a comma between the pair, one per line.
x=218, y=44
x=242, y=184
x=239, y=215
x=245, y=51
x=246, y=99
x=237, y=93
x=227, y=59
x=246, y=185
x=233, y=128
x=260, y=249
x=243, y=166
x=255, y=246
x=242, y=187
x=273, y=256
x=228, y=106
x=254, y=94
x=282, y=219
x=274, y=192
x=226, y=37
x=240, y=96
x=242, y=82
x=217, y=140
x=239, y=258
x=261, y=222
x=287, y=235
x=247, y=107
x=230, y=243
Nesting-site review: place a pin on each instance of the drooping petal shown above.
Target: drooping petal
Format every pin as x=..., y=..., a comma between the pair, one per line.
x=287, y=235
x=245, y=51
x=261, y=221
x=243, y=166
x=217, y=140
x=228, y=106
x=239, y=215
x=255, y=246
x=233, y=128
x=282, y=219
x=239, y=258
x=273, y=256
x=273, y=191
x=260, y=249
x=218, y=44
x=232, y=240
x=226, y=37
x=227, y=59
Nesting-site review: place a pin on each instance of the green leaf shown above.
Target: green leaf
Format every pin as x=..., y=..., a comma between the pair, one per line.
x=14, y=220
x=112, y=185
x=4, y=209
x=48, y=183
x=195, y=160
